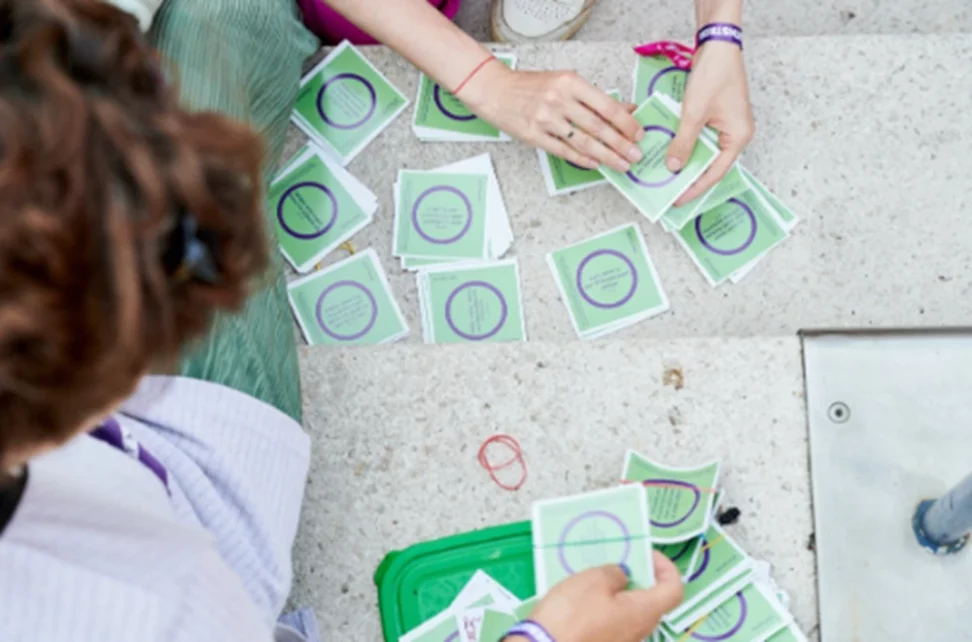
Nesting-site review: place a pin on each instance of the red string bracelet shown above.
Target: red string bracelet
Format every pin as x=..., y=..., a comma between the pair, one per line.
x=516, y=457
x=472, y=73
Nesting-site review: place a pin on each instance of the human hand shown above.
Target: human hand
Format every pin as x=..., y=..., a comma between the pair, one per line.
x=593, y=606
x=557, y=111
x=717, y=95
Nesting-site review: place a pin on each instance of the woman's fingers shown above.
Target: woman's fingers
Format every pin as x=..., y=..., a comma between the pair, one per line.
x=624, y=151
x=608, y=109
x=593, y=148
x=558, y=147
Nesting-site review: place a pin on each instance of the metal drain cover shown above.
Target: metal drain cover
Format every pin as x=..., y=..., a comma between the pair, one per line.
x=890, y=420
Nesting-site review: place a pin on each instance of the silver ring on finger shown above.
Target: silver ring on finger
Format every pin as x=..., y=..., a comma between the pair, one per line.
x=570, y=134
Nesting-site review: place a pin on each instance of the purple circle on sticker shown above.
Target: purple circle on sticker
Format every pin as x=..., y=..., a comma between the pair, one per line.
x=442, y=188
x=580, y=279
x=452, y=637
x=437, y=96
x=736, y=250
x=663, y=72
x=373, y=316
x=504, y=311
x=372, y=96
x=695, y=501
x=290, y=192
x=662, y=183
x=743, y=612
x=705, y=562
x=593, y=514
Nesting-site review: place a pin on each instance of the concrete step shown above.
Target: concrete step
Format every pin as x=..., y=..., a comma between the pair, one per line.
x=867, y=138
x=396, y=431
x=638, y=21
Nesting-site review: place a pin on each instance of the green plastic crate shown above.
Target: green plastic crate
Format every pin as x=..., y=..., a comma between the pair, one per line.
x=423, y=580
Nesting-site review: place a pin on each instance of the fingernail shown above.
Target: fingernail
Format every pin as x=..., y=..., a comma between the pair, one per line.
x=624, y=569
x=634, y=155
x=623, y=166
x=673, y=164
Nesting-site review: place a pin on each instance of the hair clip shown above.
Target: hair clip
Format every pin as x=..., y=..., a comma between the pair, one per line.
x=187, y=256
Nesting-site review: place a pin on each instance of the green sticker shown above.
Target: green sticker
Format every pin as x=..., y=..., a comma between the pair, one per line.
x=789, y=634
x=732, y=184
x=648, y=184
x=573, y=534
x=473, y=303
x=525, y=609
x=729, y=237
x=680, y=500
x=657, y=73
x=347, y=303
x=441, y=215
x=608, y=281
x=437, y=109
x=494, y=625
x=784, y=213
x=563, y=177
x=719, y=563
x=750, y=615
x=314, y=210
x=345, y=102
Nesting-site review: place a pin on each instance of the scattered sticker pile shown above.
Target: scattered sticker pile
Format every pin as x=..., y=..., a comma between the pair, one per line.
x=451, y=225
x=440, y=116
x=728, y=596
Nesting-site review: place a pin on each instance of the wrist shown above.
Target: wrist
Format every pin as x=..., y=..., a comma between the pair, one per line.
x=483, y=87
x=709, y=11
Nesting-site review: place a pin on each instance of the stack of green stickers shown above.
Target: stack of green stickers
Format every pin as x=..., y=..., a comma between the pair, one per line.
x=345, y=102
x=727, y=241
x=348, y=303
x=563, y=177
x=471, y=302
x=732, y=226
x=454, y=213
x=610, y=526
x=440, y=116
x=608, y=282
x=657, y=74
x=317, y=205
x=649, y=185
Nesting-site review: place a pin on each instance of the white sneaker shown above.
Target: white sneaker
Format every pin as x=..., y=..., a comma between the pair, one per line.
x=531, y=21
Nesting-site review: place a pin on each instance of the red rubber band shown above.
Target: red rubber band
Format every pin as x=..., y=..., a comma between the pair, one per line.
x=517, y=457
x=472, y=73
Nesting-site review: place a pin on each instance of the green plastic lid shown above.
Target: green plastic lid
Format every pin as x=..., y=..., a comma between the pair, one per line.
x=422, y=581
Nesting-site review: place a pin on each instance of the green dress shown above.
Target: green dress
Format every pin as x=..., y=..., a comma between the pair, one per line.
x=243, y=58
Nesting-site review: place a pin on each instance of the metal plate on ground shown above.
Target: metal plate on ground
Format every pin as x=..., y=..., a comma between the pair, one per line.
x=890, y=418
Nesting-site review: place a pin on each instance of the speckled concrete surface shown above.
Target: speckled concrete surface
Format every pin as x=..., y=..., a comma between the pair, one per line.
x=866, y=137
x=640, y=20
x=396, y=431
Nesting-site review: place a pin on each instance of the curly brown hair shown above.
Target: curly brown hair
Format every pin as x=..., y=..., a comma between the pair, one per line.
x=107, y=186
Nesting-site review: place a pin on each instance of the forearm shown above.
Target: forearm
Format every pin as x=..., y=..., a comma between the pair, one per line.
x=419, y=33
x=709, y=11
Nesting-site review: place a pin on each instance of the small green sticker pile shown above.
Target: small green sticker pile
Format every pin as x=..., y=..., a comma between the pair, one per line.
x=728, y=596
